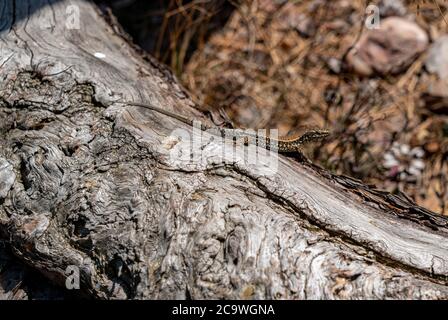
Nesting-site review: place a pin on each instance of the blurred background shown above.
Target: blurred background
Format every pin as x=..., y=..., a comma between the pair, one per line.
x=375, y=73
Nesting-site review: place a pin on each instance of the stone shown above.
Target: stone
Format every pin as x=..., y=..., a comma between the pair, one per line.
x=390, y=49
x=435, y=97
x=334, y=65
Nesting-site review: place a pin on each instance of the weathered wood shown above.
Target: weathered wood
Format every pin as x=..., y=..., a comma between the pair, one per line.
x=114, y=191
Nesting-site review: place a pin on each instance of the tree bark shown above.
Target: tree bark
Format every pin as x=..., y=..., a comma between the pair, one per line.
x=115, y=191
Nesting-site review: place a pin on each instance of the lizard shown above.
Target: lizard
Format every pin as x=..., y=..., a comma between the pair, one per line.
x=282, y=144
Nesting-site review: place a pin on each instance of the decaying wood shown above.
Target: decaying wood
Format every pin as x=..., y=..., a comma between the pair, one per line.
x=111, y=189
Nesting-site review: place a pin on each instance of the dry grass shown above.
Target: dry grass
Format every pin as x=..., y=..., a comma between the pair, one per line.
x=266, y=73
